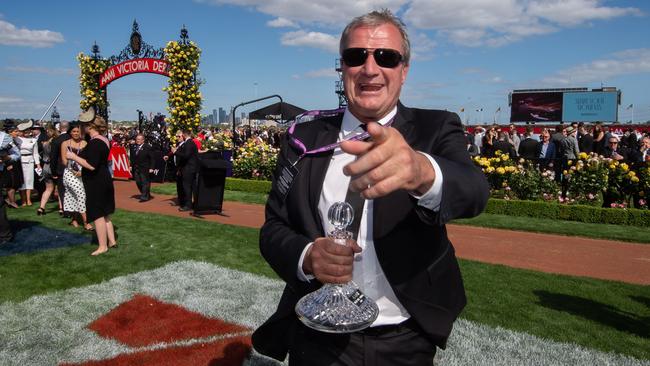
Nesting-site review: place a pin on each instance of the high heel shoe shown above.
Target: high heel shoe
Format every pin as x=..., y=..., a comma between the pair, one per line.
x=40, y=211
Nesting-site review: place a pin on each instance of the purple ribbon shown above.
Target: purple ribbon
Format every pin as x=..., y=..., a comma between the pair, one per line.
x=303, y=149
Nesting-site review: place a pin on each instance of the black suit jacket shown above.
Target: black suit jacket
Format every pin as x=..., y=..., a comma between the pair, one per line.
x=142, y=160
x=505, y=147
x=56, y=164
x=410, y=241
x=607, y=152
x=528, y=148
x=187, y=157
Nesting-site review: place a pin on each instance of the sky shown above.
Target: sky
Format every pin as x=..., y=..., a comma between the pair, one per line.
x=467, y=54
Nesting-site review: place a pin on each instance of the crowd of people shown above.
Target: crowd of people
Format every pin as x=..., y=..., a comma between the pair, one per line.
x=65, y=163
x=561, y=142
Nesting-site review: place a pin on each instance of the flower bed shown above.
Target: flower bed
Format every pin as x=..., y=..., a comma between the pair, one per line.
x=587, y=180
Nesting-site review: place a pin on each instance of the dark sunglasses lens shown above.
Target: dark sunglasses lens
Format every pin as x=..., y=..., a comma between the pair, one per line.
x=387, y=58
x=354, y=56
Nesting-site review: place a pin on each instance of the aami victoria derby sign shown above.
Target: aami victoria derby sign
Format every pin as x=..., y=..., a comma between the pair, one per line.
x=150, y=65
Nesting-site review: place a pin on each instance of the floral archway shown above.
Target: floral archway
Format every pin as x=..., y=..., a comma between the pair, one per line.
x=179, y=61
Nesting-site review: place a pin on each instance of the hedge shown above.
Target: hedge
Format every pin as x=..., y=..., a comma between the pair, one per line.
x=248, y=185
x=580, y=213
x=535, y=209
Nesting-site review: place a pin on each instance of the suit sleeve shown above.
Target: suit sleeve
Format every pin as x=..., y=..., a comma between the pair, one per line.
x=280, y=243
x=465, y=190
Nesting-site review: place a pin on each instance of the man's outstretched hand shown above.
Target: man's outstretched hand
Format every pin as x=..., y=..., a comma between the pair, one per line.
x=386, y=163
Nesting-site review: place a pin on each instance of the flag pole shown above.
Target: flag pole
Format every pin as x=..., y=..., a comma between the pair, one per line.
x=48, y=108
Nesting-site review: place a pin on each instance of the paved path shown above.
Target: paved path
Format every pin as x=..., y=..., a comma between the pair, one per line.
x=603, y=259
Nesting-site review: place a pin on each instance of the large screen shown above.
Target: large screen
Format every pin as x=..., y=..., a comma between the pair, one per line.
x=536, y=107
x=590, y=107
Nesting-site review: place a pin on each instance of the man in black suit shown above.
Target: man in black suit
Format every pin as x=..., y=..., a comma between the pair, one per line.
x=615, y=151
x=142, y=165
x=56, y=163
x=187, y=164
x=504, y=146
x=528, y=147
x=413, y=175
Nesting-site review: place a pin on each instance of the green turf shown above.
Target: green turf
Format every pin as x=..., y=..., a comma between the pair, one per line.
x=605, y=315
x=237, y=196
x=571, y=228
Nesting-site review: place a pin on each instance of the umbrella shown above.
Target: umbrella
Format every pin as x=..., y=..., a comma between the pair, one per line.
x=280, y=111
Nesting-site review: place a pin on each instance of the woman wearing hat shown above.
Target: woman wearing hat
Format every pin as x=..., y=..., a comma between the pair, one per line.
x=100, y=202
x=14, y=176
x=29, y=159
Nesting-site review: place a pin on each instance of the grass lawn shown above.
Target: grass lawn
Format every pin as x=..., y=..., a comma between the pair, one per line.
x=571, y=228
x=605, y=315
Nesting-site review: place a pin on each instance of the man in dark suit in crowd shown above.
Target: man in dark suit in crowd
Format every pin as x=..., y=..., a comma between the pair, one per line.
x=614, y=151
x=9, y=152
x=528, y=147
x=585, y=139
x=504, y=146
x=413, y=175
x=187, y=165
x=142, y=165
x=56, y=162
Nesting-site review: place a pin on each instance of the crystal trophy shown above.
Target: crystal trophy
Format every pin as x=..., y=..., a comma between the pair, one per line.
x=338, y=308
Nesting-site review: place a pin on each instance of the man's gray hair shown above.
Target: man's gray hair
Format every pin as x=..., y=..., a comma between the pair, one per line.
x=375, y=19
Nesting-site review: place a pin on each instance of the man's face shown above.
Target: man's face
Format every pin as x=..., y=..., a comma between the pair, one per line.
x=139, y=140
x=646, y=142
x=613, y=144
x=372, y=91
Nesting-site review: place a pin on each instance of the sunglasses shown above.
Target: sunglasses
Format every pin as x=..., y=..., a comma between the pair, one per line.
x=384, y=57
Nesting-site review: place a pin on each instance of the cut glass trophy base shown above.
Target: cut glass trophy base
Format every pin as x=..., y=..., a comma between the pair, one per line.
x=337, y=309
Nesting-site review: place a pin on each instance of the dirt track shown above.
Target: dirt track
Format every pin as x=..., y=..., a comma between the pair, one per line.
x=603, y=259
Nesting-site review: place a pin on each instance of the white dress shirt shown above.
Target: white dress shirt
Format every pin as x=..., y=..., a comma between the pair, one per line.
x=367, y=272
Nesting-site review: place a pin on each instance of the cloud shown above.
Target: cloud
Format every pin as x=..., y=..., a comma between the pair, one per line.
x=4, y=100
x=422, y=47
x=496, y=23
x=281, y=23
x=493, y=80
x=575, y=12
x=328, y=73
x=627, y=62
x=325, y=12
x=42, y=70
x=12, y=36
x=472, y=70
x=320, y=40
x=471, y=23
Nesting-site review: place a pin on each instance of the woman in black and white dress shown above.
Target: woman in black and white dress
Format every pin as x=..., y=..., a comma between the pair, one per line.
x=74, y=199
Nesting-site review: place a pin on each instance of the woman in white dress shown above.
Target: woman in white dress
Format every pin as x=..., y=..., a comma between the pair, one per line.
x=29, y=159
x=74, y=199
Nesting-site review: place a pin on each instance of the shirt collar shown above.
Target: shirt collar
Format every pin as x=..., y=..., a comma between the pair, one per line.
x=351, y=123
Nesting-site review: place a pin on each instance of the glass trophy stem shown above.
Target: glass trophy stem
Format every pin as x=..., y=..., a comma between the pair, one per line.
x=338, y=308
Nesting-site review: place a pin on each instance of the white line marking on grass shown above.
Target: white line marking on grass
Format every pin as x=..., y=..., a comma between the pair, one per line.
x=51, y=329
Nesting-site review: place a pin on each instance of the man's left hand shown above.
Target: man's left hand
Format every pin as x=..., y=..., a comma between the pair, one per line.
x=386, y=163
